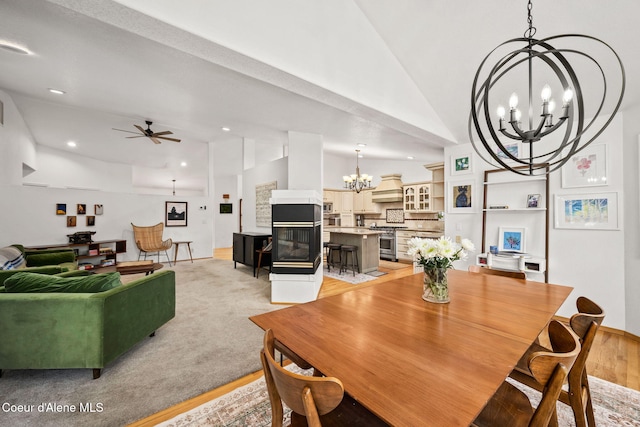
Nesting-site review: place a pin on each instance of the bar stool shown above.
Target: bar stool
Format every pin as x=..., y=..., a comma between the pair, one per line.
x=344, y=255
x=325, y=248
x=334, y=249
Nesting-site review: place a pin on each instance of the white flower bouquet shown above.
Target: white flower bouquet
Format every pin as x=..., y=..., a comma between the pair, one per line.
x=438, y=253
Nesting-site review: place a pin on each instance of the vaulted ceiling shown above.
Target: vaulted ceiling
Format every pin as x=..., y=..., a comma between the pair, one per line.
x=392, y=74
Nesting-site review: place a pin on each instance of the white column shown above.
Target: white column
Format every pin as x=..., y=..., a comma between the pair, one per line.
x=305, y=161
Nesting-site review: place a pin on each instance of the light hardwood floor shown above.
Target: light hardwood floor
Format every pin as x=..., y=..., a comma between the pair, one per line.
x=614, y=357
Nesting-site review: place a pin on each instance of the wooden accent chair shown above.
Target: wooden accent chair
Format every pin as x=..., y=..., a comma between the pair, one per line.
x=266, y=252
x=585, y=324
x=149, y=240
x=496, y=272
x=315, y=401
x=511, y=407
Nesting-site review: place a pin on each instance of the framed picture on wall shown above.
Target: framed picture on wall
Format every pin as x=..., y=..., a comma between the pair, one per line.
x=461, y=164
x=512, y=147
x=175, y=214
x=511, y=239
x=226, y=208
x=98, y=209
x=91, y=220
x=462, y=197
x=588, y=168
x=61, y=208
x=591, y=211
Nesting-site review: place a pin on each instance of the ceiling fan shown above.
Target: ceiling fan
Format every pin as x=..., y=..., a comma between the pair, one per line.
x=154, y=136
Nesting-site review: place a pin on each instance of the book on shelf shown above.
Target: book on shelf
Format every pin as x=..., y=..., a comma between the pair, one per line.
x=498, y=207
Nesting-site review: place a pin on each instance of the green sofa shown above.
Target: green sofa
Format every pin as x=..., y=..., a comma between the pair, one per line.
x=46, y=261
x=82, y=330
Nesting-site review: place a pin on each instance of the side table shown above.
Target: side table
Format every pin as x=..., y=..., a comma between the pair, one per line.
x=176, y=245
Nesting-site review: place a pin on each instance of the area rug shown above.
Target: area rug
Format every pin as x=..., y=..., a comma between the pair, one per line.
x=347, y=276
x=245, y=406
x=249, y=405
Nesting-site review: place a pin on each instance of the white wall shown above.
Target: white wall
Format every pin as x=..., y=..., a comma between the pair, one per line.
x=29, y=217
x=62, y=169
x=630, y=163
x=591, y=261
x=17, y=146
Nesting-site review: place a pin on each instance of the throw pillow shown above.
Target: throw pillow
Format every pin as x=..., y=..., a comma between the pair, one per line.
x=11, y=258
x=34, y=282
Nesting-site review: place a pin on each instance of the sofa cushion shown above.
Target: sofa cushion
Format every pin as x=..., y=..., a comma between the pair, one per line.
x=11, y=258
x=34, y=282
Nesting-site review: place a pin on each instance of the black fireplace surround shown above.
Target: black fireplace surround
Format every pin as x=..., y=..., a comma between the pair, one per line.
x=297, y=238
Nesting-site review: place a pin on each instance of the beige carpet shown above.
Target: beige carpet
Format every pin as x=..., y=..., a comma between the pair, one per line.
x=249, y=406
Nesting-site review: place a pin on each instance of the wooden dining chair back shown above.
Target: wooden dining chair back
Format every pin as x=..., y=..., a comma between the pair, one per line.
x=511, y=407
x=585, y=324
x=315, y=401
x=496, y=272
x=149, y=240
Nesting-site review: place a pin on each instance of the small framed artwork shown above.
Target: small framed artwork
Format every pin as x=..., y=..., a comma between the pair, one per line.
x=513, y=148
x=588, y=168
x=175, y=214
x=61, y=208
x=91, y=220
x=1, y=114
x=532, y=200
x=511, y=239
x=461, y=164
x=71, y=221
x=462, y=198
x=81, y=209
x=592, y=211
x=226, y=208
x=98, y=209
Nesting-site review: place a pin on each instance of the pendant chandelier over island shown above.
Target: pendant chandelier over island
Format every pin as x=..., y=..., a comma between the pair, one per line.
x=357, y=182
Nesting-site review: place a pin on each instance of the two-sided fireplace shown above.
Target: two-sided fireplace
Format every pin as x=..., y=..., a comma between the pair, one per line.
x=297, y=238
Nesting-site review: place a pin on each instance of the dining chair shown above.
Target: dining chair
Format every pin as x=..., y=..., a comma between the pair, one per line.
x=266, y=252
x=149, y=240
x=511, y=407
x=585, y=324
x=496, y=272
x=314, y=401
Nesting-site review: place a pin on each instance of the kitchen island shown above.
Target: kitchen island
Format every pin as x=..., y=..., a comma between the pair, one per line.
x=367, y=241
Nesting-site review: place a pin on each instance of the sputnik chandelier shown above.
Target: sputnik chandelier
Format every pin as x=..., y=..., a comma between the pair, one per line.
x=357, y=182
x=533, y=148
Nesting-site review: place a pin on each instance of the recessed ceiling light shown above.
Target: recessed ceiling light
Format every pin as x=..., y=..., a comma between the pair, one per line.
x=410, y=157
x=56, y=91
x=183, y=164
x=360, y=156
x=226, y=129
x=362, y=145
x=71, y=144
x=15, y=48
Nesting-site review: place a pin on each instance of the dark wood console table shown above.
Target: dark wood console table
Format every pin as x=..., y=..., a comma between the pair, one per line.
x=245, y=246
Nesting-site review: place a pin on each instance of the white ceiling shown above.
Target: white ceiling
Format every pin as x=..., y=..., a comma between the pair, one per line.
x=115, y=78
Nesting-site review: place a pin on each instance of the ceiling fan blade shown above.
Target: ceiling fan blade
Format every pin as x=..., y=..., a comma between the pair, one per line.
x=122, y=130
x=140, y=129
x=164, y=132
x=139, y=136
x=155, y=140
x=169, y=139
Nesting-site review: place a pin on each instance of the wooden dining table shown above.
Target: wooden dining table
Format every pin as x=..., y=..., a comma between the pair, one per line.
x=416, y=363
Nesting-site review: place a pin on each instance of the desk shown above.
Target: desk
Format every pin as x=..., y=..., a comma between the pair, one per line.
x=416, y=363
x=176, y=245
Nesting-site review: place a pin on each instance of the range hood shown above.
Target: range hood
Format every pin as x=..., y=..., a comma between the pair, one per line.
x=389, y=190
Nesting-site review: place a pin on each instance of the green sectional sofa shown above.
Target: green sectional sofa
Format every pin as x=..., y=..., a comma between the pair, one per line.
x=58, y=330
x=46, y=261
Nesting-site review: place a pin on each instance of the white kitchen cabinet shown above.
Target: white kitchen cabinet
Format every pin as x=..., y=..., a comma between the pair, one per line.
x=347, y=202
x=417, y=197
x=363, y=202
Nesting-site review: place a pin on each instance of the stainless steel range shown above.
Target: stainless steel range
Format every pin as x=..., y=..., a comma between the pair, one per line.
x=387, y=241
